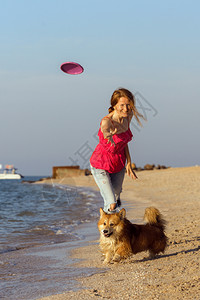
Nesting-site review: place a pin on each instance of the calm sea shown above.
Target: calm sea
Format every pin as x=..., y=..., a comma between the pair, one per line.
x=40, y=225
x=32, y=214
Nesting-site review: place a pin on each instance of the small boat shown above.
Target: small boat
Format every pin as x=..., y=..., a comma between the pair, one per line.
x=9, y=172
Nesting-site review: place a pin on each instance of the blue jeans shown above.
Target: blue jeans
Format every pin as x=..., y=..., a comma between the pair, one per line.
x=110, y=185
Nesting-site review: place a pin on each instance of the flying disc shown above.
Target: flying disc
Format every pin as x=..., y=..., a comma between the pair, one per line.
x=71, y=68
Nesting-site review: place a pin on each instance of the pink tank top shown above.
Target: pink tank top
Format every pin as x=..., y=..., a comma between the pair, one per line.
x=109, y=157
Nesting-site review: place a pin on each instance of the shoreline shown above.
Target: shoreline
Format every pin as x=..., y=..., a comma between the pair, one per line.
x=44, y=269
x=28, y=272
x=173, y=275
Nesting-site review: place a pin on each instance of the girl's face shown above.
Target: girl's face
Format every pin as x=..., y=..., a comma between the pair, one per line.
x=123, y=107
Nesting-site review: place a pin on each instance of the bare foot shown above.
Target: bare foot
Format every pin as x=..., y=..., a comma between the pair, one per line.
x=112, y=206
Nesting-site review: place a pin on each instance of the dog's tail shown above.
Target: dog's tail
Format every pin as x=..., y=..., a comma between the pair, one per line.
x=154, y=217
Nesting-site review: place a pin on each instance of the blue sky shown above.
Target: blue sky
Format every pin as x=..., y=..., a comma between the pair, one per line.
x=150, y=47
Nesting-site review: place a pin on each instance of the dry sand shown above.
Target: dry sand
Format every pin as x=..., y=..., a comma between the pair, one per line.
x=174, y=275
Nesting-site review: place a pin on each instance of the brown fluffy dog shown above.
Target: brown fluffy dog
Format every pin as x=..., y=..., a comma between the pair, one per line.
x=119, y=238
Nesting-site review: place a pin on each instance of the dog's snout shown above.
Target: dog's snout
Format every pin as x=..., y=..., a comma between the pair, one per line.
x=105, y=231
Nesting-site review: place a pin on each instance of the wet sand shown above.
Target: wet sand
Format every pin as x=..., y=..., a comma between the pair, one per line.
x=174, y=275
x=39, y=270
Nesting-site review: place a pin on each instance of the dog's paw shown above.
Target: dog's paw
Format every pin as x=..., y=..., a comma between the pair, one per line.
x=116, y=258
x=151, y=255
x=106, y=261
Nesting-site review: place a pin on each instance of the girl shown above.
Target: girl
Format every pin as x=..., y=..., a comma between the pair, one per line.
x=111, y=157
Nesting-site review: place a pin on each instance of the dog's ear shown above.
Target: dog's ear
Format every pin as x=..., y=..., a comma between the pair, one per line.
x=101, y=212
x=122, y=213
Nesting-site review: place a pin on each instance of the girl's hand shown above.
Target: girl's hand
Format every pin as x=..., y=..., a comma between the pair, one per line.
x=110, y=140
x=110, y=137
x=130, y=171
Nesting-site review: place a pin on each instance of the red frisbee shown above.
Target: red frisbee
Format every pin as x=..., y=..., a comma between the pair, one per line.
x=72, y=68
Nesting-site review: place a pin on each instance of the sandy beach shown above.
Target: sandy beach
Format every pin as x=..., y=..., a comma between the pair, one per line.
x=173, y=275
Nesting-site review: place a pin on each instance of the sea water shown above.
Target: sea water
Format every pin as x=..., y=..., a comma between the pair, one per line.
x=32, y=214
x=39, y=225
